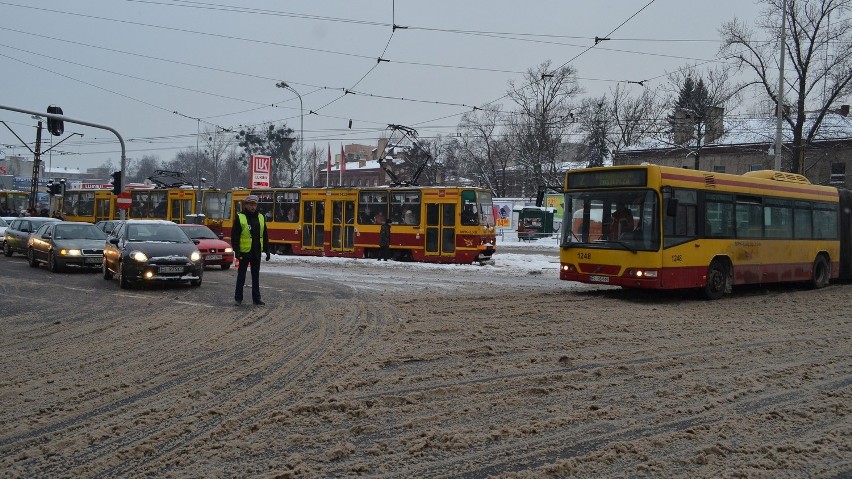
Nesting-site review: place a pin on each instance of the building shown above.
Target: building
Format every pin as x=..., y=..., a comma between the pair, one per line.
x=748, y=145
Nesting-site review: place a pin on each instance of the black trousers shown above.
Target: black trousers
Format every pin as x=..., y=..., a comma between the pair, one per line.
x=247, y=259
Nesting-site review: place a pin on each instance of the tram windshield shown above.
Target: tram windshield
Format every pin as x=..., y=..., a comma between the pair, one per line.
x=613, y=219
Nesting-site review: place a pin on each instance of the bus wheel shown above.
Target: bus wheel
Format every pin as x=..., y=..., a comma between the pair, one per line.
x=717, y=279
x=821, y=273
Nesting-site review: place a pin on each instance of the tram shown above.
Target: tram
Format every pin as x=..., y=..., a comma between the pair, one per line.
x=12, y=202
x=429, y=224
x=97, y=204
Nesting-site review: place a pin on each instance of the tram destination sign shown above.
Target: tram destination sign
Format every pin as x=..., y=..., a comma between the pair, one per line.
x=607, y=179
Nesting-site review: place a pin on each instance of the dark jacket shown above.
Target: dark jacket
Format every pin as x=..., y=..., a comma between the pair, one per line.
x=258, y=244
x=385, y=234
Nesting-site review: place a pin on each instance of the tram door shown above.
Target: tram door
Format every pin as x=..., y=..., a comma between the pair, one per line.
x=342, y=226
x=313, y=219
x=440, y=229
x=103, y=210
x=181, y=205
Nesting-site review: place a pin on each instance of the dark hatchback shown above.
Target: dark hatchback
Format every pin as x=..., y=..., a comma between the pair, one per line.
x=151, y=251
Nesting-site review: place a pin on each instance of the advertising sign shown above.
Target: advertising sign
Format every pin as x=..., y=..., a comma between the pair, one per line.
x=260, y=171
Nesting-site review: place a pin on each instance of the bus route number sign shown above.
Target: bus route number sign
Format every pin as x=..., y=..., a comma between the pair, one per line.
x=607, y=179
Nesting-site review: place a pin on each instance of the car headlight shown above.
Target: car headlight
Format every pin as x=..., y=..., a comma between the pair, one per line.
x=70, y=252
x=229, y=250
x=195, y=256
x=139, y=256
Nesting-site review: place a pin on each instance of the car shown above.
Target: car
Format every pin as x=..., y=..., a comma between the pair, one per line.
x=66, y=244
x=141, y=251
x=19, y=231
x=107, y=225
x=3, y=225
x=214, y=249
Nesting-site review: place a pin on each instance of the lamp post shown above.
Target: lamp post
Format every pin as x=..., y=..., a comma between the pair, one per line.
x=286, y=86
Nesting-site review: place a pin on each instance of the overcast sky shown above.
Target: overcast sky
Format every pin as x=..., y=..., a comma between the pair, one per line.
x=158, y=71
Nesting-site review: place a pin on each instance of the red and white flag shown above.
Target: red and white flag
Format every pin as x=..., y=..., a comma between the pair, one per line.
x=342, y=163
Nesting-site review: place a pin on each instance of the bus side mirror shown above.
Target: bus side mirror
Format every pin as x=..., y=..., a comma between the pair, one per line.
x=671, y=207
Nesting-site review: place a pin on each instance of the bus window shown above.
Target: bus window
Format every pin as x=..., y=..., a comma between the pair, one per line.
x=778, y=218
x=718, y=216
x=682, y=227
x=749, y=214
x=802, y=220
x=825, y=221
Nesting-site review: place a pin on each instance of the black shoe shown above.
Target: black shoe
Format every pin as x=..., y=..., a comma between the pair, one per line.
x=238, y=302
x=259, y=303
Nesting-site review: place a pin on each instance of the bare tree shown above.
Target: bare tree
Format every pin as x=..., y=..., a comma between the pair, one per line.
x=634, y=118
x=480, y=149
x=144, y=168
x=818, y=45
x=217, y=143
x=542, y=121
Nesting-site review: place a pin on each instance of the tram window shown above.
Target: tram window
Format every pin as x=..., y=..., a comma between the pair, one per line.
x=86, y=206
x=469, y=215
x=778, y=218
x=749, y=214
x=432, y=214
x=486, y=209
x=319, y=216
x=825, y=221
x=309, y=212
x=802, y=220
x=449, y=215
x=287, y=207
x=264, y=203
x=372, y=207
x=216, y=205
x=405, y=207
x=157, y=206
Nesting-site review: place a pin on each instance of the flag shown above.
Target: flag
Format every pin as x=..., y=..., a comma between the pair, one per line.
x=328, y=170
x=342, y=163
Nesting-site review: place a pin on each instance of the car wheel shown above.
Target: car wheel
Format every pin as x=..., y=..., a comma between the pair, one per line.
x=106, y=271
x=122, y=277
x=226, y=266
x=31, y=258
x=195, y=282
x=52, y=263
x=7, y=250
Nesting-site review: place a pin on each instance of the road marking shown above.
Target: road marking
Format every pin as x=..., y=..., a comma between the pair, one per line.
x=188, y=303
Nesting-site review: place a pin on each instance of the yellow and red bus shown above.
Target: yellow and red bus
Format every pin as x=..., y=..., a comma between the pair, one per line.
x=430, y=224
x=656, y=227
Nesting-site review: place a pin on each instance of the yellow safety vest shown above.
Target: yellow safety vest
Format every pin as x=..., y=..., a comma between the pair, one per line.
x=245, y=234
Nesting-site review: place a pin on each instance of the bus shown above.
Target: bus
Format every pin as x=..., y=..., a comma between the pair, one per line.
x=430, y=224
x=13, y=202
x=657, y=227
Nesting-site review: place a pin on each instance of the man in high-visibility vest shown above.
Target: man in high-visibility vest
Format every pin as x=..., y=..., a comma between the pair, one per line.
x=249, y=239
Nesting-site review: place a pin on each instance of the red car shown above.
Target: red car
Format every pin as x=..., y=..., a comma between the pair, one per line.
x=214, y=250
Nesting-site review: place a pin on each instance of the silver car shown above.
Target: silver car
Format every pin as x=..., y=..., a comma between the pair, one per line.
x=66, y=244
x=18, y=233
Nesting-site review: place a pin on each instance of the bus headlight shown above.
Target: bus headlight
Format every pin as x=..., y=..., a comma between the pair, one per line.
x=139, y=257
x=651, y=273
x=195, y=257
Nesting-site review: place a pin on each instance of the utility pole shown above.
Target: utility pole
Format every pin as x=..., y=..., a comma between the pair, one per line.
x=779, y=107
x=36, y=168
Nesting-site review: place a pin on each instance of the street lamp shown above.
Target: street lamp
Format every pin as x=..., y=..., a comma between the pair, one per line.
x=285, y=85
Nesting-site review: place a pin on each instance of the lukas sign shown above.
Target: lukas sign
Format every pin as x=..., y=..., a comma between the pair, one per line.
x=260, y=171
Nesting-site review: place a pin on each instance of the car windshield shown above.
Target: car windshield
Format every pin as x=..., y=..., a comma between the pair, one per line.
x=200, y=232
x=3, y=222
x=78, y=232
x=36, y=222
x=170, y=233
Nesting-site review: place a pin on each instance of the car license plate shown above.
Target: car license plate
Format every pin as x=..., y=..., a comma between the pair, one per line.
x=171, y=269
x=213, y=257
x=599, y=279
x=93, y=260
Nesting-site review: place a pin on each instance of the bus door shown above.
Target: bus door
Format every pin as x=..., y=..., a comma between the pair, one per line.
x=313, y=220
x=180, y=203
x=343, y=225
x=440, y=229
x=103, y=207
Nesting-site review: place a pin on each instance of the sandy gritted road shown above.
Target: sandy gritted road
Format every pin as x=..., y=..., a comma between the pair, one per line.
x=417, y=373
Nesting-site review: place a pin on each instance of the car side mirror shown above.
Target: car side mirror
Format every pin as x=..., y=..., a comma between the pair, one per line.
x=46, y=235
x=196, y=241
x=221, y=235
x=114, y=240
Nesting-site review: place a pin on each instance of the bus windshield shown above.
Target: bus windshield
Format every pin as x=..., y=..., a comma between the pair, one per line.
x=614, y=219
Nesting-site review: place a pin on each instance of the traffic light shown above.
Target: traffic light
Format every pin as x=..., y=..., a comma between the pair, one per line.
x=55, y=127
x=116, y=182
